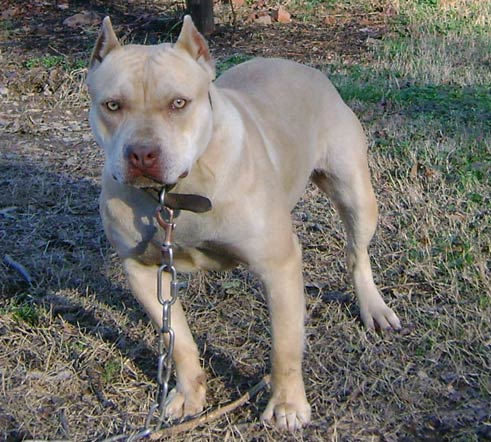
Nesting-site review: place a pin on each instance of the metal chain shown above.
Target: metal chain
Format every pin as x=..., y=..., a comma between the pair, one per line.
x=165, y=218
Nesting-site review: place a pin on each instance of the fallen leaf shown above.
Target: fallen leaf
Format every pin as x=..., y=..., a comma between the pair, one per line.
x=8, y=13
x=330, y=20
x=430, y=172
x=373, y=41
x=391, y=11
x=5, y=212
x=281, y=15
x=7, y=259
x=264, y=20
x=259, y=4
x=62, y=4
x=414, y=195
x=82, y=19
x=458, y=216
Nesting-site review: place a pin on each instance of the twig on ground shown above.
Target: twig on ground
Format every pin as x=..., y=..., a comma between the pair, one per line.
x=213, y=415
x=18, y=267
x=234, y=15
x=204, y=419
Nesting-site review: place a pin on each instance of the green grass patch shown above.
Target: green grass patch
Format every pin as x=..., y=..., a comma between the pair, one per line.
x=47, y=62
x=53, y=61
x=443, y=17
x=464, y=105
x=230, y=62
x=112, y=370
x=359, y=83
x=21, y=309
x=458, y=252
x=425, y=92
x=7, y=25
x=445, y=126
x=434, y=42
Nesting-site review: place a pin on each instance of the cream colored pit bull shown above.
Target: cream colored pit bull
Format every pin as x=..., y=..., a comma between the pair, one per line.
x=250, y=142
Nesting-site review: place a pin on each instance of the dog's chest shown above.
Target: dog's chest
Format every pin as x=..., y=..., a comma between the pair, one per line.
x=131, y=226
x=198, y=245
x=203, y=258
x=195, y=242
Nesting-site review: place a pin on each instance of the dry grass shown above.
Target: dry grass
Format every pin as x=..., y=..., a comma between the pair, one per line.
x=77, y=356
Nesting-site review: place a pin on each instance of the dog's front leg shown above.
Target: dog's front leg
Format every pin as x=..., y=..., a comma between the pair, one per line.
x=282, y=276
x=189, y=396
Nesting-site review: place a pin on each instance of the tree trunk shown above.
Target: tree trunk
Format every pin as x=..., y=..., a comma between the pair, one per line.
x=202, y=14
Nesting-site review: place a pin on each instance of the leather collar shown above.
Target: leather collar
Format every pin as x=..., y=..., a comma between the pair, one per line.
x=184, y=201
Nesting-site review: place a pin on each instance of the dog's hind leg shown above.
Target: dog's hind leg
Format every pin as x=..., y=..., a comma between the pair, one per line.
x=188, y=398
x=345, y=178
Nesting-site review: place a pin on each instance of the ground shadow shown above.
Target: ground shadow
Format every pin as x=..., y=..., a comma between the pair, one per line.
x=53, y=231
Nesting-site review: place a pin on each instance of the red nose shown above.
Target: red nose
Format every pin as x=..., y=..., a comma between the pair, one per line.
x=143, y=159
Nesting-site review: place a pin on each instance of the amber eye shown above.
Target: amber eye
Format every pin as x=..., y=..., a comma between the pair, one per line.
x=112, y=106
x=179, y=103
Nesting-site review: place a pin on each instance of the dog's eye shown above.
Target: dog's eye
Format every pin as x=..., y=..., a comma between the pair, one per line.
x=113, y=106
x=179, y=103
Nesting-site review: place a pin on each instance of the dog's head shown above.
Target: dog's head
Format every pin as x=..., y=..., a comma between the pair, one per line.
x=150, y=105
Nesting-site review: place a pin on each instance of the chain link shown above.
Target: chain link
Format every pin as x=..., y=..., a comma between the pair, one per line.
x=165, y=218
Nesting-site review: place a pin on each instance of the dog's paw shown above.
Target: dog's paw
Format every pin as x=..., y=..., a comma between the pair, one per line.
x=185, y=402
x=376, y=314
x=287, y=414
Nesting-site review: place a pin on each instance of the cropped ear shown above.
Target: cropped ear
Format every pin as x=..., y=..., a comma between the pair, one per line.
x=106, y=42
x=192, y=42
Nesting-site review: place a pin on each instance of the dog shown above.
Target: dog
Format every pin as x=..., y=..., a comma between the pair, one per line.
x=249, y=141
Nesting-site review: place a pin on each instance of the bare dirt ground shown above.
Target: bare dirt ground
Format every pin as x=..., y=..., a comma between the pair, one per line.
x=77, y=355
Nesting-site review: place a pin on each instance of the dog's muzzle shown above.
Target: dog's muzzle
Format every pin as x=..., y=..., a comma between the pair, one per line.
x=143, y=160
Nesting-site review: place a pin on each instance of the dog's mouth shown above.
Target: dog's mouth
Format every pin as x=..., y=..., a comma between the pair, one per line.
x=145, y=181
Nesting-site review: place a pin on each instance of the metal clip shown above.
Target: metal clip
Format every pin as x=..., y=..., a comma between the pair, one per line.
x=168, y=225
x=165, y=218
